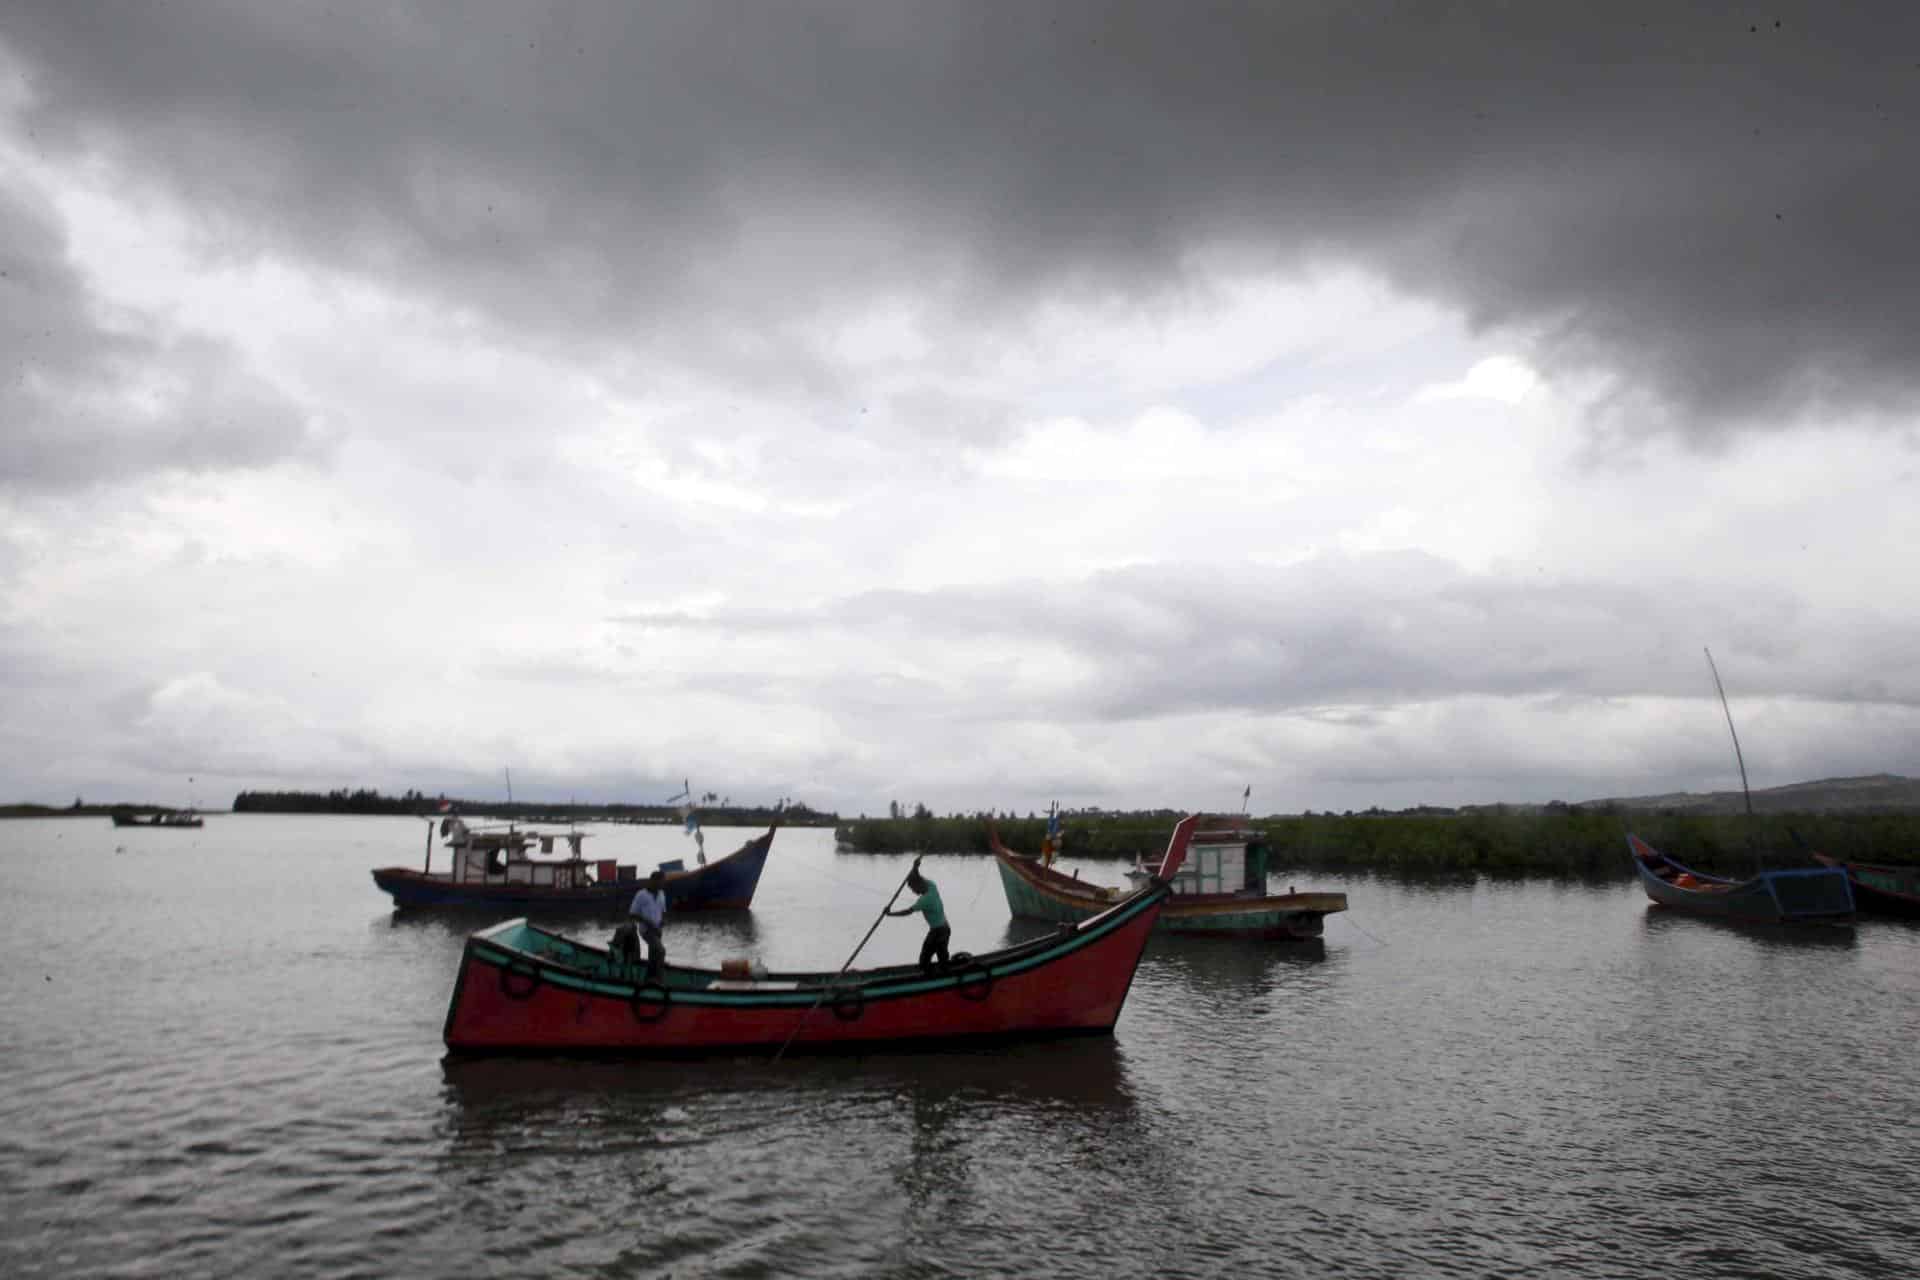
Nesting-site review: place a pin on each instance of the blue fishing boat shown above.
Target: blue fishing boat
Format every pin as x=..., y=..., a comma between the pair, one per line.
x=497, y=870
x=1815, y=895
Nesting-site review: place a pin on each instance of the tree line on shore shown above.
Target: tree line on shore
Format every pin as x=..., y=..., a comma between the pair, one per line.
x=367, y=801
x=1564, y=841
x=1587, y=841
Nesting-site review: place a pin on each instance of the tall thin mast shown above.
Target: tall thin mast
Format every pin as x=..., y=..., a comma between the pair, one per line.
x=1737, y=757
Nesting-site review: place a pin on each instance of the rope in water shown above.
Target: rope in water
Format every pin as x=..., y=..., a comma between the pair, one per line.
x=1347, y=918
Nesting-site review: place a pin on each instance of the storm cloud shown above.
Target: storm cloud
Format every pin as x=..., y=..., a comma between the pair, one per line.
x=1701, y=214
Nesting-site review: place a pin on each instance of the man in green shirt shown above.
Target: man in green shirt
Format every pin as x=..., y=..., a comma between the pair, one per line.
x=928, y=904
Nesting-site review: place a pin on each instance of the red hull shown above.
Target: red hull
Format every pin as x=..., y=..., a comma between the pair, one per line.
x=1078, y=993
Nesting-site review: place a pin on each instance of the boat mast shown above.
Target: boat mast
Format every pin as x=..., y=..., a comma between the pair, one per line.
x=1752, y=843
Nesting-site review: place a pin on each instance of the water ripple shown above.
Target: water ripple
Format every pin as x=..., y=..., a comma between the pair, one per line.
x=245, y=1078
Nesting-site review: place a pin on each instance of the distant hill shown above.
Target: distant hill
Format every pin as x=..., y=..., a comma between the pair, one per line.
x=1875, y=793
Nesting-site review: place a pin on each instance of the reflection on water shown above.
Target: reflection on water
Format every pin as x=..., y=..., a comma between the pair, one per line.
x=1085, y=1072
x=835, y=1164
x=1661, y=920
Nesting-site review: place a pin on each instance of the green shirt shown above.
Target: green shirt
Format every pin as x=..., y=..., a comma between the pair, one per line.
x=929, y=904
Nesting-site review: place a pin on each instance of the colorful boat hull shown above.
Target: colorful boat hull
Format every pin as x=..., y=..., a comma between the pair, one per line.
x=1038, y=892
x=526, y=990
x=1880, y=888
x=1035, y=892
x=726, y=884
x=1816, y=895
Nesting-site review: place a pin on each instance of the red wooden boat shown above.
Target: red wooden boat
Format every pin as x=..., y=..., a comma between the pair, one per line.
x=526, y=990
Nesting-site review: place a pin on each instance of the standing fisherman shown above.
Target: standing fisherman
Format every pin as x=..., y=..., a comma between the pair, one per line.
x=649, y=911
x=928, y=904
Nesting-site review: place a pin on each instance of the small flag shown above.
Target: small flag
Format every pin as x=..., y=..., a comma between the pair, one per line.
x=1248, y=792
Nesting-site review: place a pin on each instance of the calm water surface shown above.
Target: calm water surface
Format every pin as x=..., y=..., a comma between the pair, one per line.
x=222, y=1057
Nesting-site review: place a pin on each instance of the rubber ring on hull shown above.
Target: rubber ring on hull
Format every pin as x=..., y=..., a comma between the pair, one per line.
x=516, y=991
x=635, y=1004
x=976, y=981
x=848, y=1003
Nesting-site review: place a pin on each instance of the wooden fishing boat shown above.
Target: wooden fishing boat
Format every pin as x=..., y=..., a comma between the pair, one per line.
x=496, y=870
x=1881, y=888
x=1220, y=891
x=1813, y=895
x=169, y=820
x=526, y=990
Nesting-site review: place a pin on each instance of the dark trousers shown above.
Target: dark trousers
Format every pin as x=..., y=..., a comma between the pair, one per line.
x=935, y=946
x=656, y=951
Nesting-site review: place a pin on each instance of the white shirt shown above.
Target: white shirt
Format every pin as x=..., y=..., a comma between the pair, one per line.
x=649, y=907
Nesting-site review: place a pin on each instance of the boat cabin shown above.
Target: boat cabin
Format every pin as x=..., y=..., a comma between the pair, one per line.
x=505, y=857
x=1226, y=859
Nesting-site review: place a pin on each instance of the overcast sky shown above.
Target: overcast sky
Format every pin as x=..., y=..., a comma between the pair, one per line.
x=961, y=404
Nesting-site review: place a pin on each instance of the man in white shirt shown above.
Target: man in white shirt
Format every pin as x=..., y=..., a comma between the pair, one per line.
x=649, y=911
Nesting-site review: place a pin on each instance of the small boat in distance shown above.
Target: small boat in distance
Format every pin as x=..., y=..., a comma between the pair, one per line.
x=493, y=869
x=186, y=819
x=1881, y=888
x=1221, y=890
x=1813, y=895
x=526, y=990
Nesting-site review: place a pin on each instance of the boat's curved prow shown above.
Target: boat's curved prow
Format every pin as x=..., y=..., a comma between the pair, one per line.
x=1176, y=853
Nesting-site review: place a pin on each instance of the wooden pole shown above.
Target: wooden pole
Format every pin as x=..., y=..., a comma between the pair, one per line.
x=1753, y=844
x=802, y=1020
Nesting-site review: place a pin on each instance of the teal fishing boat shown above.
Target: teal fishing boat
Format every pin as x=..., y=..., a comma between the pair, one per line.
x=1221, y=889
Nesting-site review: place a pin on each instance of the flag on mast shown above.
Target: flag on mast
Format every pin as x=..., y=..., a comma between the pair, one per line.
x=690, y=818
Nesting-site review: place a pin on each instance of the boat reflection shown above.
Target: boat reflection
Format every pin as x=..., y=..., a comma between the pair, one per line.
x=1222, y=967
x=1202, y=988
x=905, y=1135
x=1081, y=1073
x=1664, y=921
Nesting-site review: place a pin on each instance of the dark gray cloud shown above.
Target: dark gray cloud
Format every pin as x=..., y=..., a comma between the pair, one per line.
x=90, y=395
x=1707, y=209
